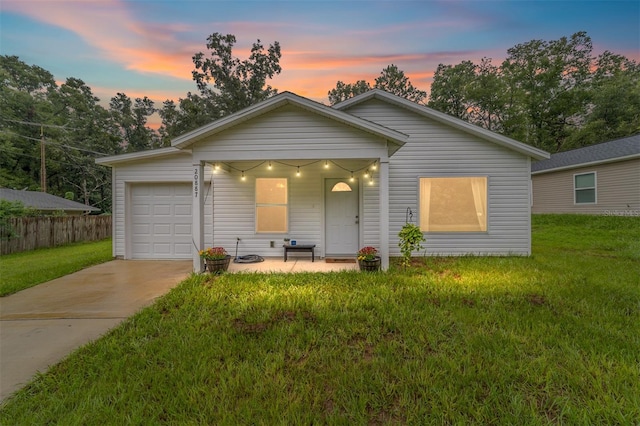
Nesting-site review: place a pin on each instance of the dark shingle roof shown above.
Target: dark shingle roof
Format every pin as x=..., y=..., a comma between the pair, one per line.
x=43, y=201
x=602, y=152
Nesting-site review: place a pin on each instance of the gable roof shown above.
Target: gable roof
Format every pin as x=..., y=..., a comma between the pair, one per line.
x=444, y=119
x=616, y=150
x=43, y=201
x=396, y=138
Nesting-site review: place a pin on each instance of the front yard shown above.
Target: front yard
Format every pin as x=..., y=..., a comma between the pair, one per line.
x=554, y=338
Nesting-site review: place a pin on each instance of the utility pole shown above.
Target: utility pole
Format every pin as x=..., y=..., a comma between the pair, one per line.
x=43, y=165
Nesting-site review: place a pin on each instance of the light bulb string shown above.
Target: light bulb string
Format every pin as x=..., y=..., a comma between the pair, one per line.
x=369, y=167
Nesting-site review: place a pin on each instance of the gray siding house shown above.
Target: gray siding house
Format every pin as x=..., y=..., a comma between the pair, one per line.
x=597, y=179
x=339, y=177
x=46, y=204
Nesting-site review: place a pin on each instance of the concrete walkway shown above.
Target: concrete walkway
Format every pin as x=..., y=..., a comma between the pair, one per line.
x=41, y=325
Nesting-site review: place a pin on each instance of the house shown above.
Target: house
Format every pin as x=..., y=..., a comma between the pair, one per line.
x=338, y=177
x=597, y=179
x=46, y=203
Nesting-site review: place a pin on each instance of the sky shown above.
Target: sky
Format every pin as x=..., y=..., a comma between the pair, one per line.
x=145, y=47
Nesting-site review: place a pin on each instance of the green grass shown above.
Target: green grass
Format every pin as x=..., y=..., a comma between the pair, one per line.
x=23, y=270
x=549, y=339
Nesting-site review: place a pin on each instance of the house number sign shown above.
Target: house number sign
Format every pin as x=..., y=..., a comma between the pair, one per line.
x=196, y=180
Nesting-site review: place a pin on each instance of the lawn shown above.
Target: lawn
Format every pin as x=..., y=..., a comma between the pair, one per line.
x=29, y=268
x=549, y=339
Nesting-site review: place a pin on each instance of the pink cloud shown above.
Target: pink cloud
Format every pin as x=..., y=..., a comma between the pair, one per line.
x=110, y=27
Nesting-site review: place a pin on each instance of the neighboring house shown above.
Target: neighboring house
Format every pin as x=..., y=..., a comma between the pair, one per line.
x=46, y=203
x=339, y=177
x=597, y=179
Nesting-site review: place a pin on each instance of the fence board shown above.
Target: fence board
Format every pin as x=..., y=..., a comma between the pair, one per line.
x=38, y=232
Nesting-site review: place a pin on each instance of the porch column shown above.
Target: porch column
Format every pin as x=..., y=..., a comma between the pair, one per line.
x=384, y=213
x=197, y=228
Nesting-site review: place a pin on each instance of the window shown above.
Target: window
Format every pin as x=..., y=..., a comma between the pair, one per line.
x=455, y=204
x=271, y=205
x=585, y=188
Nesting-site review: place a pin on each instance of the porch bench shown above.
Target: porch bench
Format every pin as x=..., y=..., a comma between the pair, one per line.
x=301, y=247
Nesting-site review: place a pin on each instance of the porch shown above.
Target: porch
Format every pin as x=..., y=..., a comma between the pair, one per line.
x=292, y=265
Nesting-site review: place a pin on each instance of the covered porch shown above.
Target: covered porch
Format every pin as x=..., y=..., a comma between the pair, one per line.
x=293, y=265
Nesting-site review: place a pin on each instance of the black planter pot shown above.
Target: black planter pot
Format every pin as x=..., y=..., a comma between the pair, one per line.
x=370, y=265
x=217, y=266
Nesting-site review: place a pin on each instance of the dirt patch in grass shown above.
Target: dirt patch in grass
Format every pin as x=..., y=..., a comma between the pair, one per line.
x=537, y=299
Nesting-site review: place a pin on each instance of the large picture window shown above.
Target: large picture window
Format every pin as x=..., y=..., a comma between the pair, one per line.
x=453, y=204
x=271, y=205
x=585, y=188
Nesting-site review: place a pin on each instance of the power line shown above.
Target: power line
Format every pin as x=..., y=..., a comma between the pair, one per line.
x=30, y=123
x=54, y=143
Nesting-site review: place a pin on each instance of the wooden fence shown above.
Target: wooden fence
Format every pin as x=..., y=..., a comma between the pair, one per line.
x=29, y=233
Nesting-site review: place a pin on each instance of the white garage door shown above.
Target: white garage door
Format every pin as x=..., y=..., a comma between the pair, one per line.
x=161, y=221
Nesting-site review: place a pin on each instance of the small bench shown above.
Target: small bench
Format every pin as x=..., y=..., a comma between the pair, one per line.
x=302, y=247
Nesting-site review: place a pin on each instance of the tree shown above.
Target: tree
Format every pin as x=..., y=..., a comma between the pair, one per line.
x=549, y=82
x=236, y=84
x=343, y=91
x=391, y=79
x=131, y=121
x=450, y=90
x=190, y=113
x=614, y=102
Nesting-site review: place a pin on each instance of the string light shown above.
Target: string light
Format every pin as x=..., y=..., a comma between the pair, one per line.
x=351, y=179
x=375, y=165
x=298, y=172
x=366, y=173
x=269, y=166
x=243, y=177
x=326, y=164
x=371, y=181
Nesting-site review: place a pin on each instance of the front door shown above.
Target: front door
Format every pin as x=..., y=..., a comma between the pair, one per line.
x=341, y=217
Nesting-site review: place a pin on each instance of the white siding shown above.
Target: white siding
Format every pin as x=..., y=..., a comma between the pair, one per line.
x=287, y=133
x=175, y=168
x=234, y=210
x=438, y=150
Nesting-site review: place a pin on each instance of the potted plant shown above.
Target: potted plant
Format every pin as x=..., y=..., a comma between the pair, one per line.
x=216, y=259
x=411, y=239
x=368, y=259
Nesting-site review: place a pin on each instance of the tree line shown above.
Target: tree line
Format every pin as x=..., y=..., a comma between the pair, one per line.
x=554, y=95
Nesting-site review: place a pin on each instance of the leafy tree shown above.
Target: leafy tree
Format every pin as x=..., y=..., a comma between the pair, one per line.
x=450, y=90
x=614, y=102
x=236, y=84
x=391, y=79
x=130, y=118
x=549, y=81
x=24, y=102
x=191, y=112
x=343, y=91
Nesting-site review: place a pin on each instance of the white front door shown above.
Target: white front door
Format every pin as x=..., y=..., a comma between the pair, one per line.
x=341, y=217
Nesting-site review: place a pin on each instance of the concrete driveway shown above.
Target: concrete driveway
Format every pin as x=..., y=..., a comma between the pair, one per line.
x=42, y=325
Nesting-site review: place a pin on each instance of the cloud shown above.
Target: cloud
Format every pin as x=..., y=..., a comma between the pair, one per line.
x=110, y=27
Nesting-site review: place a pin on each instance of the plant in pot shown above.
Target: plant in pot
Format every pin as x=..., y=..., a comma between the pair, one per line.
x=216, y=259
x=411, y=239
x=368, y=259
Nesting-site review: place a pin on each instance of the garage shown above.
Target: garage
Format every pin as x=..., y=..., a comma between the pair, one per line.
x=160, y=220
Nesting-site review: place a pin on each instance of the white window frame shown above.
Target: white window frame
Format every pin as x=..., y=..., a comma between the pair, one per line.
x=459, y=231
x=286, y=204
x=594, y=187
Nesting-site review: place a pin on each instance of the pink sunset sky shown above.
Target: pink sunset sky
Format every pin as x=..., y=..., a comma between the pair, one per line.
x=144, y=47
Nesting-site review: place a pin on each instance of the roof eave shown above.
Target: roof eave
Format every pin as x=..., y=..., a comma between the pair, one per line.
x=140, y=155
x=587, y=164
